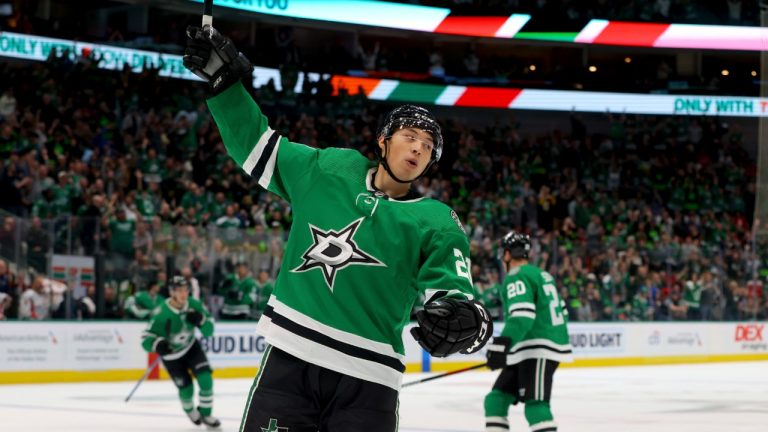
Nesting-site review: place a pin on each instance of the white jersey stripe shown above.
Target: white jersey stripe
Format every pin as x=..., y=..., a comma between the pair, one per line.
x=321, y=355
x=430, y=292
x=341, y=336
x=522, y=314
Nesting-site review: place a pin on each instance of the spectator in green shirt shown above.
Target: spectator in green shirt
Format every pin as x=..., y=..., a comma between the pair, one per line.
x=121, y=233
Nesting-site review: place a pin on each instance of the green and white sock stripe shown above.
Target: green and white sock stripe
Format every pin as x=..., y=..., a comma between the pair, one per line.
x=496, y=424
x=206, y=400
x=545, y=426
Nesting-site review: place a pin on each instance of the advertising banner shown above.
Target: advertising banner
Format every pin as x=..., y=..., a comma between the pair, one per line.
x=77, y=347
x=49, y=345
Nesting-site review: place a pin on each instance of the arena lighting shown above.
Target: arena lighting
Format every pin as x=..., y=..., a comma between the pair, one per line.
x=627, y=59
x=754, y=73
x=440, y=20
x=37, y=48
x=593, y=68
x=724, y=72
x=532, y=67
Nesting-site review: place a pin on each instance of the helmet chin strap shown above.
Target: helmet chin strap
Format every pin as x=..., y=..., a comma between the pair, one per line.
x=385, y=164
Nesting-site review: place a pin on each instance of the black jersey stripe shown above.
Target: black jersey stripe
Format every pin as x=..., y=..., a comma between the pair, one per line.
x=317, y=337
x=258, y=170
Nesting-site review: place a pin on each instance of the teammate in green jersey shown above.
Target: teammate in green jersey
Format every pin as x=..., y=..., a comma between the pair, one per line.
x=171, y=334
x=533, y=342
x=240, y=296
x=363, y=246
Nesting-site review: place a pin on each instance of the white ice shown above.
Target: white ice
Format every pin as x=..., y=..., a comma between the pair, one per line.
x=716, y=397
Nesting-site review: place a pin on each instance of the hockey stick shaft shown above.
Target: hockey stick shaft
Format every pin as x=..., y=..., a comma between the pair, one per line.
x=207, y=13
x=143, y=377
x=458, y=371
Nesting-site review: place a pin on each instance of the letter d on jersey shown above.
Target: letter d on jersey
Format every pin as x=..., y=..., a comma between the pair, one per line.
x=332, y=251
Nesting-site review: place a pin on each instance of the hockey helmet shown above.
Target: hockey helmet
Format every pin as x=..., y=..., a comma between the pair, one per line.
x=518, y=244
x=412, y=116
x=178, y=282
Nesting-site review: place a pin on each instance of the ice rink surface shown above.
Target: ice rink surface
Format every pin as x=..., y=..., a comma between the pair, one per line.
x=717, y=397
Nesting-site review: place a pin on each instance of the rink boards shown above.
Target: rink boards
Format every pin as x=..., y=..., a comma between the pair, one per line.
x=111, y=351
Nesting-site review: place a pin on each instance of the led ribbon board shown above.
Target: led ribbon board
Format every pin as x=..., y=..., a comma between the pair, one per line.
x=440, y=20
x=383, y=14
x=27, y=47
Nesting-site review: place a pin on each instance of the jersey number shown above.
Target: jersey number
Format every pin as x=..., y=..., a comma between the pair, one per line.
x=554, y=303
x=515, y=289
x=462, y=265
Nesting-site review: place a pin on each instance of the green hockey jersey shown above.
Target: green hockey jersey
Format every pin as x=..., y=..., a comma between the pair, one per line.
x=141, y=304
x=240, y=297
x=536, y=321
x=171, y=324
x=355, y=261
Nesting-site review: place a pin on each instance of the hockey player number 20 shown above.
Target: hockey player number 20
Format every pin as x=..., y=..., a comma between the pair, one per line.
x=557, y=316
x=462, y=265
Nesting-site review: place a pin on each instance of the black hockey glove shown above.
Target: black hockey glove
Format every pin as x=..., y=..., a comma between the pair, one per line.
x=448, y=325
x=163, y=347
x=214, y=58
x=497, y=352
x=195, y=318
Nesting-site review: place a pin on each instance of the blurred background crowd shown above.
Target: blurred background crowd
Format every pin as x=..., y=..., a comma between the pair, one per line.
x=638, y=217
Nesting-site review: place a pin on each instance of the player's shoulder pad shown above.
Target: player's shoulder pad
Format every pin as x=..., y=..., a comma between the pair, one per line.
x=195, y=304
x=440, y=216
x=343, y=161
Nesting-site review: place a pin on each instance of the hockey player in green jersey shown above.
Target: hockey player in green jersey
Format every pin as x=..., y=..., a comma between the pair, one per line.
x=264, y=288
x=171, y=334
x=363, y=246
x=240, y=296
x=141, y=304
x=533, y=342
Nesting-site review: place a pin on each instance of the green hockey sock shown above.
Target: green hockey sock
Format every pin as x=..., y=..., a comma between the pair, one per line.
x=205, y=381
x=539, y=416
x=186, y=394
x=497, y=403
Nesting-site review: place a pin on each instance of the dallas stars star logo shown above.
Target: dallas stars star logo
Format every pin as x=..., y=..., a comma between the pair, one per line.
x=332, y=251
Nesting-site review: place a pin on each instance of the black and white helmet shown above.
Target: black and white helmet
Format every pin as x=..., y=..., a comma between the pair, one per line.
x=416, y=117
x=178, y=281
x=518, y=244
